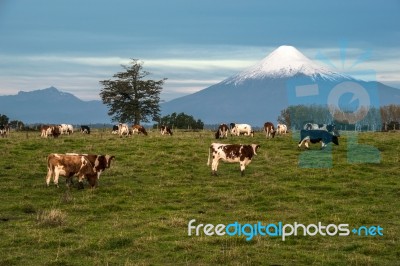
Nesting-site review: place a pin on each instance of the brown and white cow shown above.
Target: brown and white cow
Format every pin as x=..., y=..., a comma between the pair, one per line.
x=83, y=165
x=99, y=163
x=269, y=130
x=231, y=153
x=139, y=130
x=164, y=130
x=222, y=131
x=68, y=166
x=50, y=130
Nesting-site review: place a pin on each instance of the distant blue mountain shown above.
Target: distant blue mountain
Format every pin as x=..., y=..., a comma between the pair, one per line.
x=52, y=106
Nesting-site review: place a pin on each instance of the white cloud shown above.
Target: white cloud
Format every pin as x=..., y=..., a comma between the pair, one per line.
x=188, y=69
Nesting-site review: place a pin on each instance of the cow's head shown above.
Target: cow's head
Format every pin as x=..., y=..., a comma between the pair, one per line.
x=335, y=140
x=255, y=147
x=56, y=131
x=232, y=125
x=102, y=162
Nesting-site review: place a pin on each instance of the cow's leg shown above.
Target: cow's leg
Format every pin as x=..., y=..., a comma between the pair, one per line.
x=48, y=177
x=214, y=167
x=242, y=167
x=323, y=145
x=301, y=143
x=307, y=143
x=68, y=181
x=56, y=176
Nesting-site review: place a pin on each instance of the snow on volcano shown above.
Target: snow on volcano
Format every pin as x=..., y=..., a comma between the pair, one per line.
x=285, y=62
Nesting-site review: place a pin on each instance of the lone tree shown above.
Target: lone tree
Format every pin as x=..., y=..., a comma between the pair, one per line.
x=129, y=97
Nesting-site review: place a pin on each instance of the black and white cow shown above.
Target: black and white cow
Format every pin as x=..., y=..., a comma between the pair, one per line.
x=164, y=130
x=281, y=129
x=315, y=136
x=123, y=130
x=85, y=129
x=222, y=131
x=66, y=129
x=3, y=131
x=231, y=153
x=327, y=127
x=238, y=129
x=114, y=129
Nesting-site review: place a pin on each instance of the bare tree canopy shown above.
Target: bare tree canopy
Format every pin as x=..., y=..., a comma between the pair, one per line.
x=130, y=97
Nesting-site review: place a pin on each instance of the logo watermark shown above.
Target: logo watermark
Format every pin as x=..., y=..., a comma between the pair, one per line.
x=340, y=99
x=280, y=229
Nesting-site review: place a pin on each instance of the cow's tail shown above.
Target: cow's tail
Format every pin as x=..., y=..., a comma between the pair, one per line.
x=209, y=156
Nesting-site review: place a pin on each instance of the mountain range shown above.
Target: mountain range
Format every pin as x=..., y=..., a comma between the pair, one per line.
x=259, y=93
x=52, y=106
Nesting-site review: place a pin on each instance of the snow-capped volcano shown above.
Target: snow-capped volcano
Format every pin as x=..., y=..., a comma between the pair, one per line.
x=259, y=93
x=285, y=62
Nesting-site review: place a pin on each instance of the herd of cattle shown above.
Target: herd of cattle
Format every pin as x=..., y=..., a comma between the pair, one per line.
x=120, y=129
x=90, y=166
x=312, y=133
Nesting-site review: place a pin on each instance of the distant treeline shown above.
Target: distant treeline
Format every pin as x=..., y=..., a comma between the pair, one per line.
x=365, y=118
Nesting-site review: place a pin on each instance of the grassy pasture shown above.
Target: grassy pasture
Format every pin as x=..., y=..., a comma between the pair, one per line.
x=139, y=214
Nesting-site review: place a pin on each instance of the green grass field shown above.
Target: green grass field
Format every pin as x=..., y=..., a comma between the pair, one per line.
x=140, y=212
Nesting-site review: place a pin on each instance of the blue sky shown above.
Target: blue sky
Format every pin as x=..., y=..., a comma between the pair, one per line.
x=72, y=44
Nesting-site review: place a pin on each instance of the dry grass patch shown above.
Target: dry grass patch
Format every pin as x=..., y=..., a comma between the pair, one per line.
x=53, y=217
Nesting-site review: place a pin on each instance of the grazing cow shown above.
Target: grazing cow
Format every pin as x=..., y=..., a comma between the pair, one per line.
x=85, y=129
x=3, y=131
x=50, y=131
x=43, y=131
x=114, y=129
x=68, y=166
x=123, y=129
x=237, y=129
x=315, y=136
x=269, y=130
x=281, y=129
x=329, y=128
x=222, y=131
x=66, y=129
x=231, y=153
x=99, y=164
x=139, y=130
x=165, y=130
